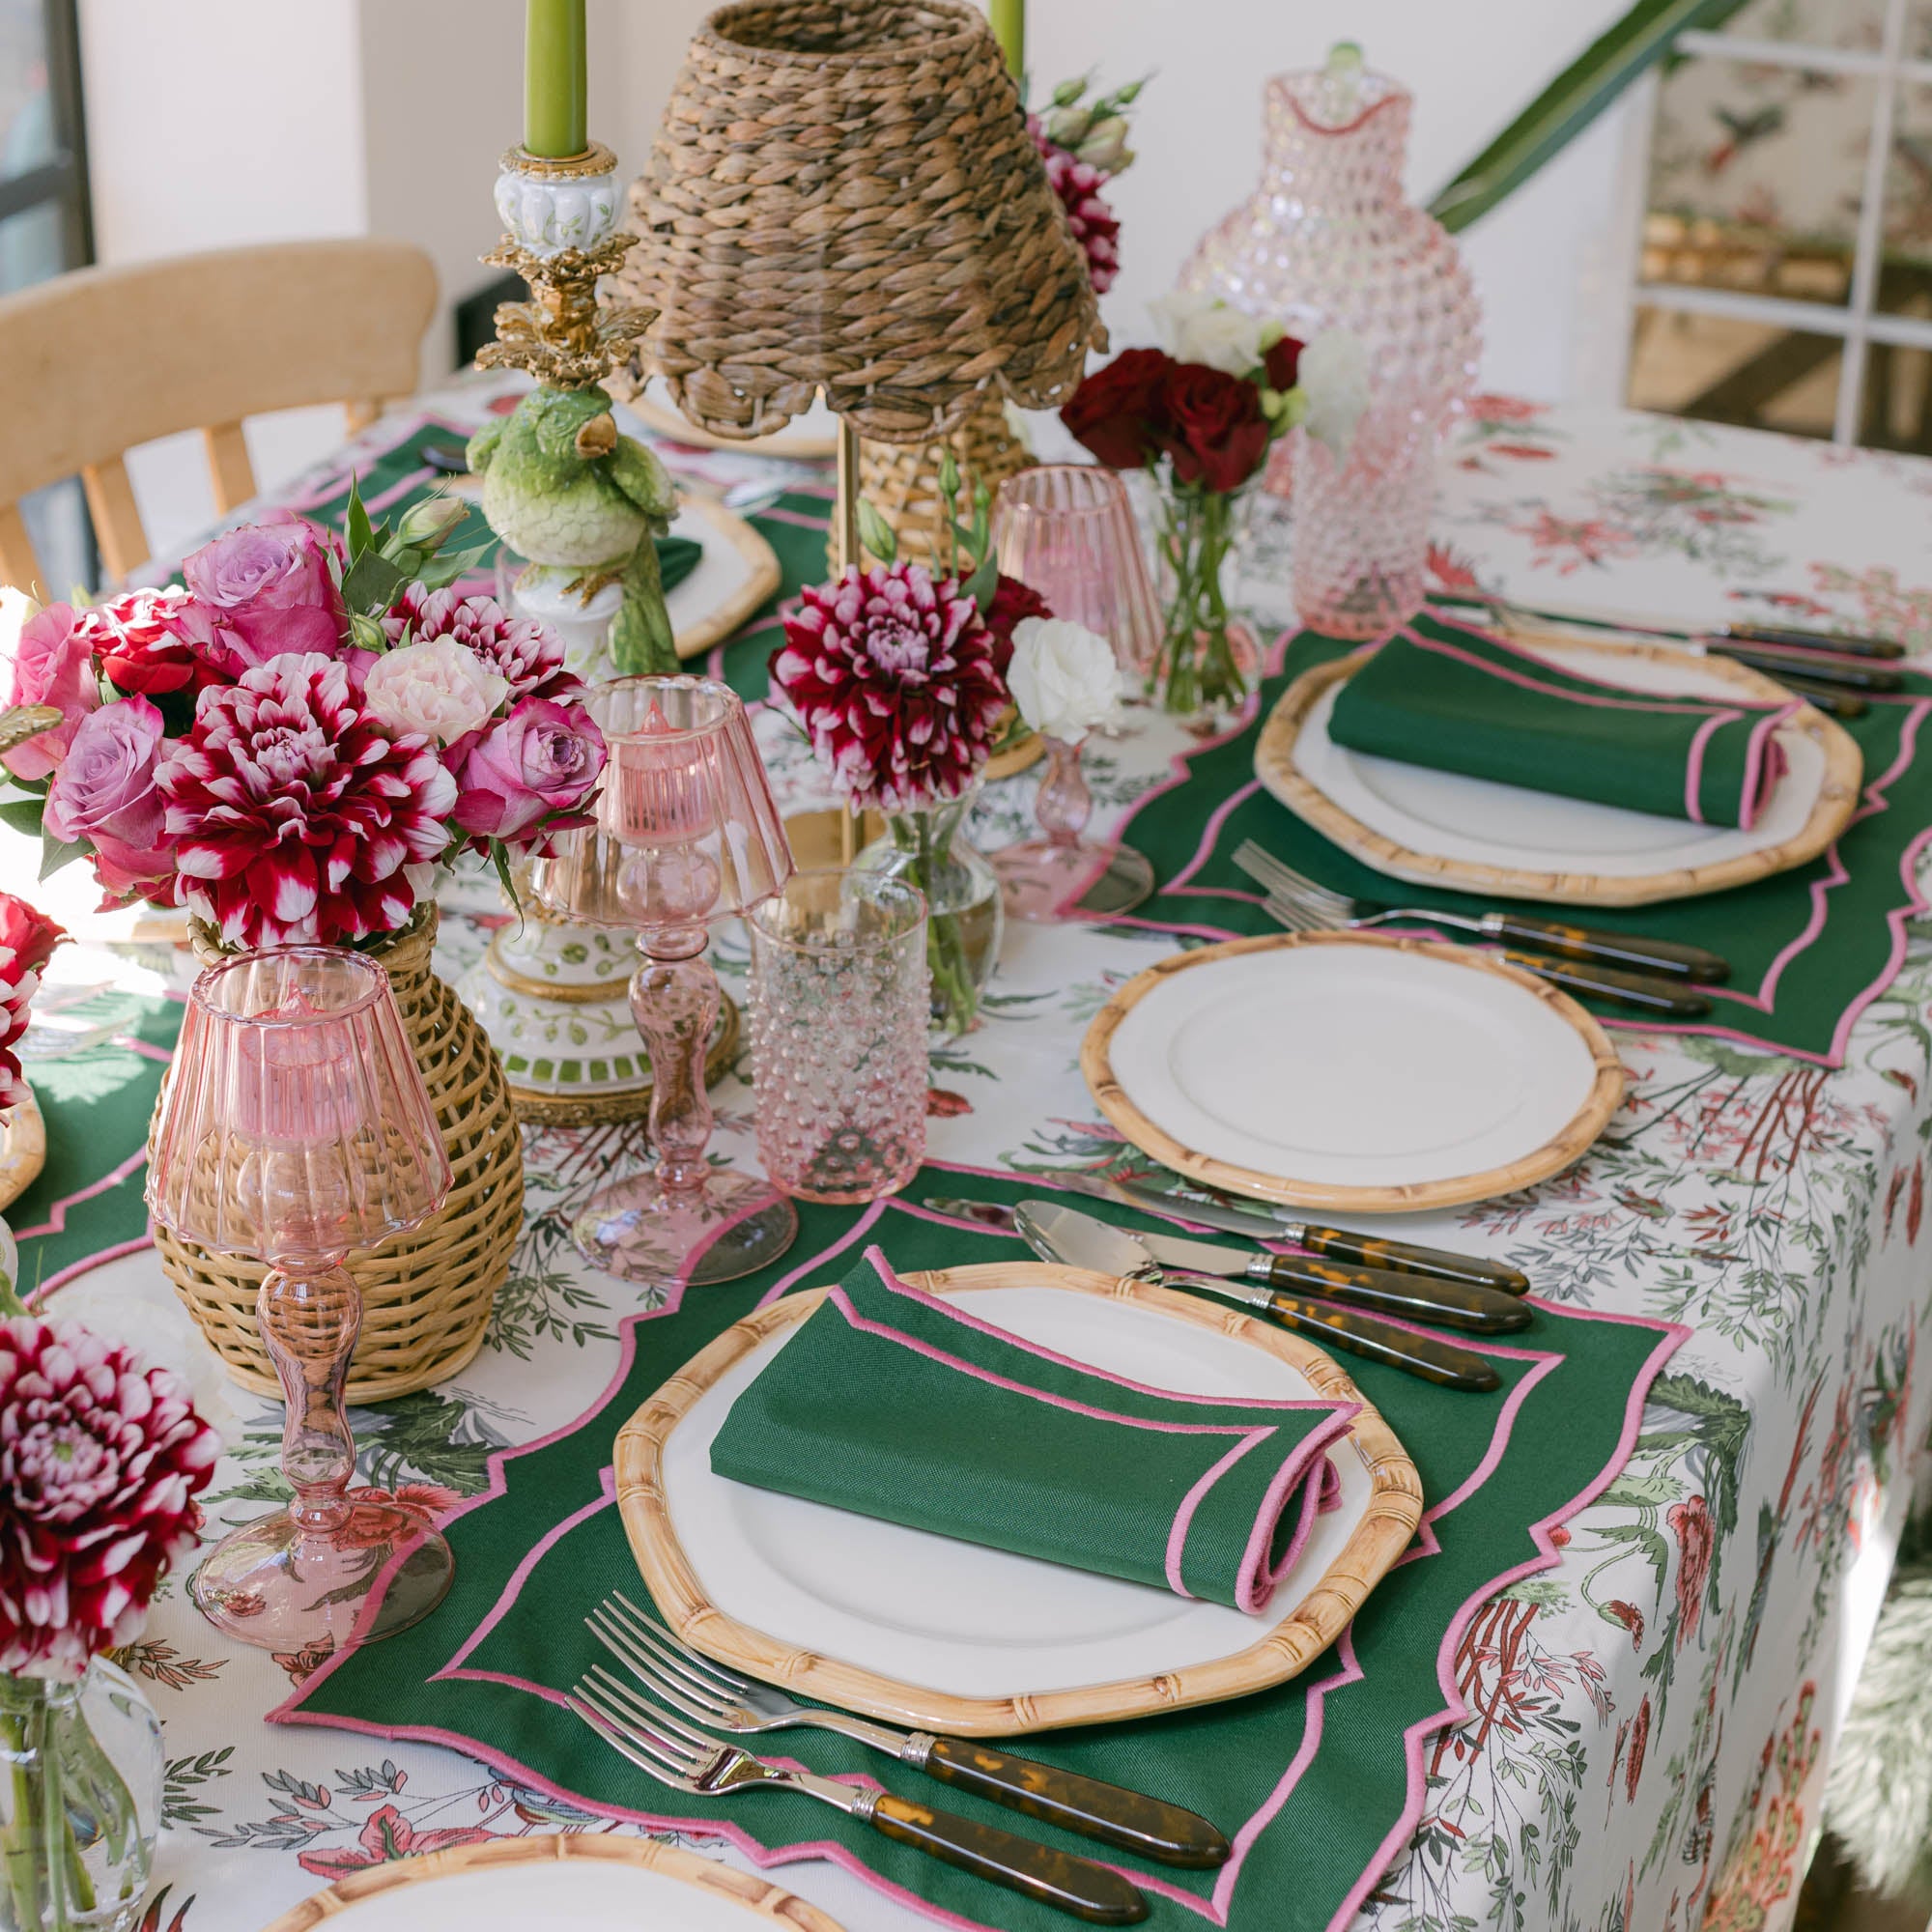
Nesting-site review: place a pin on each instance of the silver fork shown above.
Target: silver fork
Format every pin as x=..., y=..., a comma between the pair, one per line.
x=1643, y=992
x=674, y=1755
x=1665, y=958
x=711, y=1694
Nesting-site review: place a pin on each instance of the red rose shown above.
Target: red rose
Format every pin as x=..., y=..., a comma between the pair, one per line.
x=1217, y=435
x=1282, y=363
x=27, y=937
x=1119, y=411
x=140, y=642
x=1011, y=602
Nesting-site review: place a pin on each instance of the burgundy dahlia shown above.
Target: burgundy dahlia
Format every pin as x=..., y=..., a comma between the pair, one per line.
x=1088, y=213
x=528, y=656
x=299, y=818
x=100, y=1460
x=891, y=674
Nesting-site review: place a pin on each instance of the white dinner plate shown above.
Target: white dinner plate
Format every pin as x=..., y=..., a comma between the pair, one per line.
x=591, y=1883
x=1358, y=1071
x=1442, y=827
x=953, y=1637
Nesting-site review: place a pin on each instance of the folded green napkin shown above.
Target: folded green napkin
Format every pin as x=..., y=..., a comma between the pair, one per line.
x=1458, y=700
x=892, y=1403
x=677, y=559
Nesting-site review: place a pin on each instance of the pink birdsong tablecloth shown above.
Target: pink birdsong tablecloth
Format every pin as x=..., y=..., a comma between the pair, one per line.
x=1649, y=1720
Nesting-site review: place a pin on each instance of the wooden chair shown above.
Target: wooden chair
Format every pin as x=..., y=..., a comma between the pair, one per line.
x=96, y=362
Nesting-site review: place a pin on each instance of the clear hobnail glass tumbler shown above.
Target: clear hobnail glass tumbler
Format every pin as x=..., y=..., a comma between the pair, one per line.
x=838, y=1006
x=293, y=1127
x=1328, y=240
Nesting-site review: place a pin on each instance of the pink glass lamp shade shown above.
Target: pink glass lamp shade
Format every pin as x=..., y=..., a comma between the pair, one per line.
x=294, y=1127
x=687, y=831
x=1067, y=530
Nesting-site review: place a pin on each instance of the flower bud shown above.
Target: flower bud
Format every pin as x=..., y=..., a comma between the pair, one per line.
x=1066, y=126
x=366, y=633
x=426, y=525
x=1105, y=146
x=1068, y=92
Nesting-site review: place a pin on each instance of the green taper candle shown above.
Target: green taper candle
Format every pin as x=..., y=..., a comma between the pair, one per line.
x=1008, y=20
x=556, y=110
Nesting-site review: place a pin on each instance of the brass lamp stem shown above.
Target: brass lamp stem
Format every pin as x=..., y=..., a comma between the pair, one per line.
x=846, y=533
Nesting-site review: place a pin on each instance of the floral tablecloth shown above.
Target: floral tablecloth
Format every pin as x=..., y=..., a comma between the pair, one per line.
x=1649, y=1721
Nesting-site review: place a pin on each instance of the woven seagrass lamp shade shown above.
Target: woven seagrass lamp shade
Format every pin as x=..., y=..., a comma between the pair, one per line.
x=843, y=195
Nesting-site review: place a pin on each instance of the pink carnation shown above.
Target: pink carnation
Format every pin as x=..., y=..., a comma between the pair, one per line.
x=528, y=656
x=891, y=672
x=101, y=1461
x=1088, y=213
x=298, y=818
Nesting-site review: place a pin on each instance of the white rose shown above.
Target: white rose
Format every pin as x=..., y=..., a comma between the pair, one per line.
x=1199, y=328
x=1333, y=375
x=1063, y=677
x=440, y=688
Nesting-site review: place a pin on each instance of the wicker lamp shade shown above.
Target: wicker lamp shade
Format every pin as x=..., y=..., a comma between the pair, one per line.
x=845, y=196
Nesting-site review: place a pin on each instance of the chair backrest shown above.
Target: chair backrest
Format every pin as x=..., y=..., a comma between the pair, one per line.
x=99, y=360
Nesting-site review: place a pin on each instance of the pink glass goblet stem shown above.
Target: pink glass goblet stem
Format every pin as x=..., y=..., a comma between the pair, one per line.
x=310, y=1315
x=1064, y=805
x=674, y=1001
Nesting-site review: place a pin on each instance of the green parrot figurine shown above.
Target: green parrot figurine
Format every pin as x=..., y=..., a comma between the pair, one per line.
x=584, y=505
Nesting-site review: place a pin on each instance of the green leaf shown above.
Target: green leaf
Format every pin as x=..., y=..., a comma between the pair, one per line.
x=500, y=857
x=876, y=534
x=54, y=854
x=983, y=583
x=1582, y=91
x=372, y=584
x=23, y=814
x=361, y=532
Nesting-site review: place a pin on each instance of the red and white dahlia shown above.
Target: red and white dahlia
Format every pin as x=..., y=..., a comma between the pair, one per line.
x=526, y=655
x=1089, y=212
x=27, y=940
x=101, y=1461
x=891, y=672
x=301, y=818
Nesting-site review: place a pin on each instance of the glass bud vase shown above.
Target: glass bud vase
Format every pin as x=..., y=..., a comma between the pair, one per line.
x=81, y=1766
x=1328, y=240
x=927, y=848
x=1202, y=667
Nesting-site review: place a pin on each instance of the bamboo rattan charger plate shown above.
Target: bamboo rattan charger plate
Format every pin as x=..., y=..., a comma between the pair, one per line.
x=1355, y=1072
x=589, y=1881
x=23, y=1145
x=948, y=1636
x=1441, y=829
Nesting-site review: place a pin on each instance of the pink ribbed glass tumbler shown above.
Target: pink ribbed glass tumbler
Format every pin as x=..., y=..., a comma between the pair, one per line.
x=293, y=1127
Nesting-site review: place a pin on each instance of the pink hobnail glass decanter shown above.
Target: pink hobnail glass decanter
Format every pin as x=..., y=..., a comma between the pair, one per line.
x=1328, y=240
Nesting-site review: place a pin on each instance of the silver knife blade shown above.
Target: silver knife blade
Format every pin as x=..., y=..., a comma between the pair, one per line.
x=1065, y=1226
x=1258, y=1224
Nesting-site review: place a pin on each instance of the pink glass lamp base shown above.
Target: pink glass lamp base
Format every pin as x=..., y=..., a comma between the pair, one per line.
x=641, y=1230
x=292, y=1589
x=1042, y=881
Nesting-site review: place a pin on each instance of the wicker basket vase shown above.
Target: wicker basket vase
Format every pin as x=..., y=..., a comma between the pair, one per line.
x=426, y=1296
x=901, y=480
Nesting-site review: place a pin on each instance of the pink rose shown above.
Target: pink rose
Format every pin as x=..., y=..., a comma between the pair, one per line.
x=104, y=794
x=267, y=590
x=543, y=758
x=50, y=664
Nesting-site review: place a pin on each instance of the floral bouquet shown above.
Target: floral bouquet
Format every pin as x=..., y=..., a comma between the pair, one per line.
x=101, y=1461
x=1084, y=144
x=899, y=677
x=291, y=742
x=1199, y=415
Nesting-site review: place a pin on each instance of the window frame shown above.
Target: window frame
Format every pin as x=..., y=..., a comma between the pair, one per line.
x=1855, y=323
x=62, y=182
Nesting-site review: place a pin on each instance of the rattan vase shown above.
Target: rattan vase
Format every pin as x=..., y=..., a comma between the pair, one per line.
x=901, y=480
x=426, y=1296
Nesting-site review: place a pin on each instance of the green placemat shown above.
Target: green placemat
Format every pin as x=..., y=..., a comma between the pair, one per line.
x=1318, y=1781
x=1809, y=948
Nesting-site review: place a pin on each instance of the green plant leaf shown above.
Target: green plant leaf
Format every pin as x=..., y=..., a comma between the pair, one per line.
x=1589, y=84
x=372, y=584
x=983, y=585
x=23, y=814
x=54, y=855
x=876, y=534
x=361, y=532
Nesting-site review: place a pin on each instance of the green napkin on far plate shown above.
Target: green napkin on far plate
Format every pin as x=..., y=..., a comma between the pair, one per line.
x=892, y=1403
x=677, y=559
x=1465, y=701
